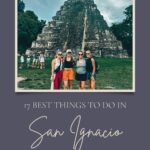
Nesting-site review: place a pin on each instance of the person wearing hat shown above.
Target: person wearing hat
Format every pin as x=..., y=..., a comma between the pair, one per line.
x=68, y=72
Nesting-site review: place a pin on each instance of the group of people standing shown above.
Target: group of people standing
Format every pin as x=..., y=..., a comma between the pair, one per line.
x=67, y=69
x=34, y=61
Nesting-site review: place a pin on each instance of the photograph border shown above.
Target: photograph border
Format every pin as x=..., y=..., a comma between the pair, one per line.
x=133, y=90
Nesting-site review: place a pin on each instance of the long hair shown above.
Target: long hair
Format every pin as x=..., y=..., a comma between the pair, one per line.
x=58, y=51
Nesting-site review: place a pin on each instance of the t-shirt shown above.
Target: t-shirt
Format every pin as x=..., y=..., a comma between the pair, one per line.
x=22, y=59
x=28, y=59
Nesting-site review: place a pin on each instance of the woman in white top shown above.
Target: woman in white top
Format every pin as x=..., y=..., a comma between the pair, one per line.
x=57, y=72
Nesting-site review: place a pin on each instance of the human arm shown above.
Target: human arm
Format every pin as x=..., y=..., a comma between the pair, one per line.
x=93, y=66
x=52, y=69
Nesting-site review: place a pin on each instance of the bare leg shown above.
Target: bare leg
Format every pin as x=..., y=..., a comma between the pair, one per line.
x=89, y=84
x=82, y=85
x=70, y=84
x=41, y=66
x=65, y=85
x=79, y=84
x=92, y=84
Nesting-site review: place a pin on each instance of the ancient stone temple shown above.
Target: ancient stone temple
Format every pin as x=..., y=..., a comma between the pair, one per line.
x=79, y=25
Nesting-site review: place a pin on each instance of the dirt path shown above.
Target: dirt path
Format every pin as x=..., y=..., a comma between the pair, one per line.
x=19, y=79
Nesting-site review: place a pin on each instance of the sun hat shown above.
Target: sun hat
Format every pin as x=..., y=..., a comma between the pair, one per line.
x=68, y=51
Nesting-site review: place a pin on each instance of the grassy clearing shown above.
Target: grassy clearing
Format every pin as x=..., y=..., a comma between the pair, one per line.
x=115, y=73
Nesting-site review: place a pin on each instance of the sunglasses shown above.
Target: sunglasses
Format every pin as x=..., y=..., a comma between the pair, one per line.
x=59, y=54
x=87, y=53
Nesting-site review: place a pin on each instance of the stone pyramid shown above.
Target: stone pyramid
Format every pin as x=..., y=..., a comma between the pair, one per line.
x=79, y=25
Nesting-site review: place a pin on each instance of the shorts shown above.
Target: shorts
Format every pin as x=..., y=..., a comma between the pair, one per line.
x=89, y=75
x=68, y=74
x=81, y=77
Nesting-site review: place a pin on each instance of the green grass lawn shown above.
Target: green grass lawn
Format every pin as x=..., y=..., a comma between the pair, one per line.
x=115, y=73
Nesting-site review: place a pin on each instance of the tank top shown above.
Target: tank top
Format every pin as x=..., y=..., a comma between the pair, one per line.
x=68, y=64
x=57, y=64
x=89, y=66
x=81, y=66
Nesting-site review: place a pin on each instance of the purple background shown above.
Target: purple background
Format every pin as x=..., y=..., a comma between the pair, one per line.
x=15, y=120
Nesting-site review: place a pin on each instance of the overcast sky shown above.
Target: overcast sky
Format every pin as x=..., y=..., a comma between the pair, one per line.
x=112, y=10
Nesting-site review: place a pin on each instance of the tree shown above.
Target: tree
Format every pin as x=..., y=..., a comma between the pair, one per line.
x=28, y=27
x=123, y=31
x=21, y=6
x=31, y=15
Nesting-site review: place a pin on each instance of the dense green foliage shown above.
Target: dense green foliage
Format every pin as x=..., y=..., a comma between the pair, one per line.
x=28, y=27
x=123, y=31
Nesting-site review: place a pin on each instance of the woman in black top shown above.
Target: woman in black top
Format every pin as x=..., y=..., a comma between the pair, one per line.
x=90, y=68
x=68, y=72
